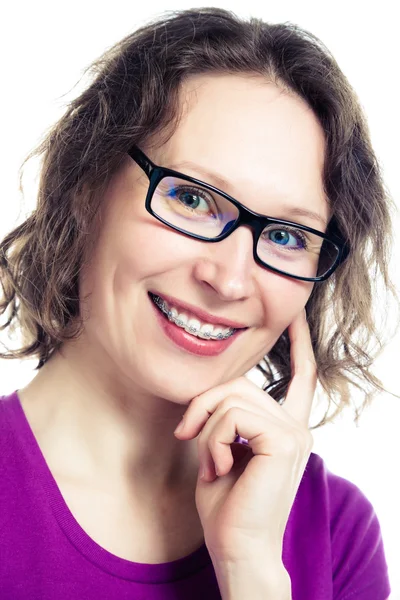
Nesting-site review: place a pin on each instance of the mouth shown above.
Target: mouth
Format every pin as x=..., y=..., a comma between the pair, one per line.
x=191, y=334
x=210, y=329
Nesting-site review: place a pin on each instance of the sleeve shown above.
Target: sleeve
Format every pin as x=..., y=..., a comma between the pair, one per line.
x=360, y=570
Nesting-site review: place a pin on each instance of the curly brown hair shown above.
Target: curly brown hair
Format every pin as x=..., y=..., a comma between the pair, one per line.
x=134, y=95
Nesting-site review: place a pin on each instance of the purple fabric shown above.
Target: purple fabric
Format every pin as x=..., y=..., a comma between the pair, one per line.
x=332, y=547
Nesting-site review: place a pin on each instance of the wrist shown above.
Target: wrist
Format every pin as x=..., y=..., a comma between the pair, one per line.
x=259, y=582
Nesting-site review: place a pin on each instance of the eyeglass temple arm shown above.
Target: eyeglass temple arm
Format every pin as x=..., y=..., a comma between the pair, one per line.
x=337, y=237
x=142, y=160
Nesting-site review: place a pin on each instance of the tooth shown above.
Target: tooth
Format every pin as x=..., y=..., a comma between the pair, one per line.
x=193, y=324
x=216, y=331
x=173, y=313
x=182, y=319
x=158, y=301
x=205, y=331
x=163, y=304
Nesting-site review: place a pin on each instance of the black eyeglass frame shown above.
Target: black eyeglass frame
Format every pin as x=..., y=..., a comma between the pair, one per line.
x=254, y=220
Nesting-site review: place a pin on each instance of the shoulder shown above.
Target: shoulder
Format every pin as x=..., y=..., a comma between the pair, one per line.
x=347, y=507
x=342, y=496
x=359, y=568
x=6, y=411
x=12, y=434
x=11, y=467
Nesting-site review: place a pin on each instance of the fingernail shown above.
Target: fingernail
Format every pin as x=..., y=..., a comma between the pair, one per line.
x=180, y=426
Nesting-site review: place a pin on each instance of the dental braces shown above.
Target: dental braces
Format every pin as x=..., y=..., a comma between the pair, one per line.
x=161, y=304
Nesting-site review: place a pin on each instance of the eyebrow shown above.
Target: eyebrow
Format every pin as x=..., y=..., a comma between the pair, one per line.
x=223, y=184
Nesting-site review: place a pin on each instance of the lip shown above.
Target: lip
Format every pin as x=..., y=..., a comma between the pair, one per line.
x=190, y=344
x=197, y=312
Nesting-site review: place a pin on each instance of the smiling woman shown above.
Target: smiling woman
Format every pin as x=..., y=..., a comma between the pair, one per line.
x=210, y=203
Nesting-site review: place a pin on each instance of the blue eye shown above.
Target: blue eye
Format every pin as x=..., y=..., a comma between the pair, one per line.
x=287, y=237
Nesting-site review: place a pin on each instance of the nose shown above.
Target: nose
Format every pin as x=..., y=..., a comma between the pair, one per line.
x=228, y=266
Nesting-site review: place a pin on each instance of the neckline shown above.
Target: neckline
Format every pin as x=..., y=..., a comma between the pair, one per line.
x=109, y=562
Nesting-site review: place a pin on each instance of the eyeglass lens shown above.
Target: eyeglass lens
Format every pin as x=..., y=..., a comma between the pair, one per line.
x=202, y=212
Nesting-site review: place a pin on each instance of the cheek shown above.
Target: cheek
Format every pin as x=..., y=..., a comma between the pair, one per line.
x=283, y=299
x=147, y=249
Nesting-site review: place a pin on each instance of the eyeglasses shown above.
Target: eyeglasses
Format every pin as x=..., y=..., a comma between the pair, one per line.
x=202, y=211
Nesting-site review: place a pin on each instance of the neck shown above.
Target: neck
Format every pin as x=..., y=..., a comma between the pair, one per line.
x=96, y=430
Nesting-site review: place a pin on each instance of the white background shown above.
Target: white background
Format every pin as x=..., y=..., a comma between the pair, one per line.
x=45, y=47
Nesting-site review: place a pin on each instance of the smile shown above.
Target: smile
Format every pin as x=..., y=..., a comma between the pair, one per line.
x=206, y=340
x=192, y=325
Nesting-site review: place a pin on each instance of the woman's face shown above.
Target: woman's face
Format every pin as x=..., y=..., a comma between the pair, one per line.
x=269, y=147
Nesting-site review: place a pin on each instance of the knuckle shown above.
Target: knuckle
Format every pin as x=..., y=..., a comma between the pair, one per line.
x=232, y=413
x=228, y=403
x=213, y=443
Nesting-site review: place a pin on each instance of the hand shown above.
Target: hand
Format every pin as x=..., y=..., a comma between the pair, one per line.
x=245, y=507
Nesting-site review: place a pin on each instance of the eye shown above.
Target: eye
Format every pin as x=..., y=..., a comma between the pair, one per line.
x=189, y=201
x=285, y=237
x=194, y=199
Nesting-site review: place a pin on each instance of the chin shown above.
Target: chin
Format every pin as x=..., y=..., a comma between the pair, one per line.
x=179, y=388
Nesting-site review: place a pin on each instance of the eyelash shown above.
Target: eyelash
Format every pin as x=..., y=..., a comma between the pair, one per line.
x=293, y=231
x=197, y=191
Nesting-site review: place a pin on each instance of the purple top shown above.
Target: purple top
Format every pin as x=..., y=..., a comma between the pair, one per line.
x=332, y=548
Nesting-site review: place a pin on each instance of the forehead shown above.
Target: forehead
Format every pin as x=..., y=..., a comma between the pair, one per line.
x=265, y=142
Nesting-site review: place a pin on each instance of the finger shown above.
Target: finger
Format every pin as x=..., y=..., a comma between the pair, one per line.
x=301, y=390
x=223, y=454
x=203, y=406
x=268, y=438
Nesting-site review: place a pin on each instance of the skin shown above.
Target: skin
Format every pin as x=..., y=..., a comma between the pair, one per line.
x=122, y=388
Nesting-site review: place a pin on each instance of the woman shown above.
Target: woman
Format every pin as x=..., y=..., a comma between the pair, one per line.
x=209, y=203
